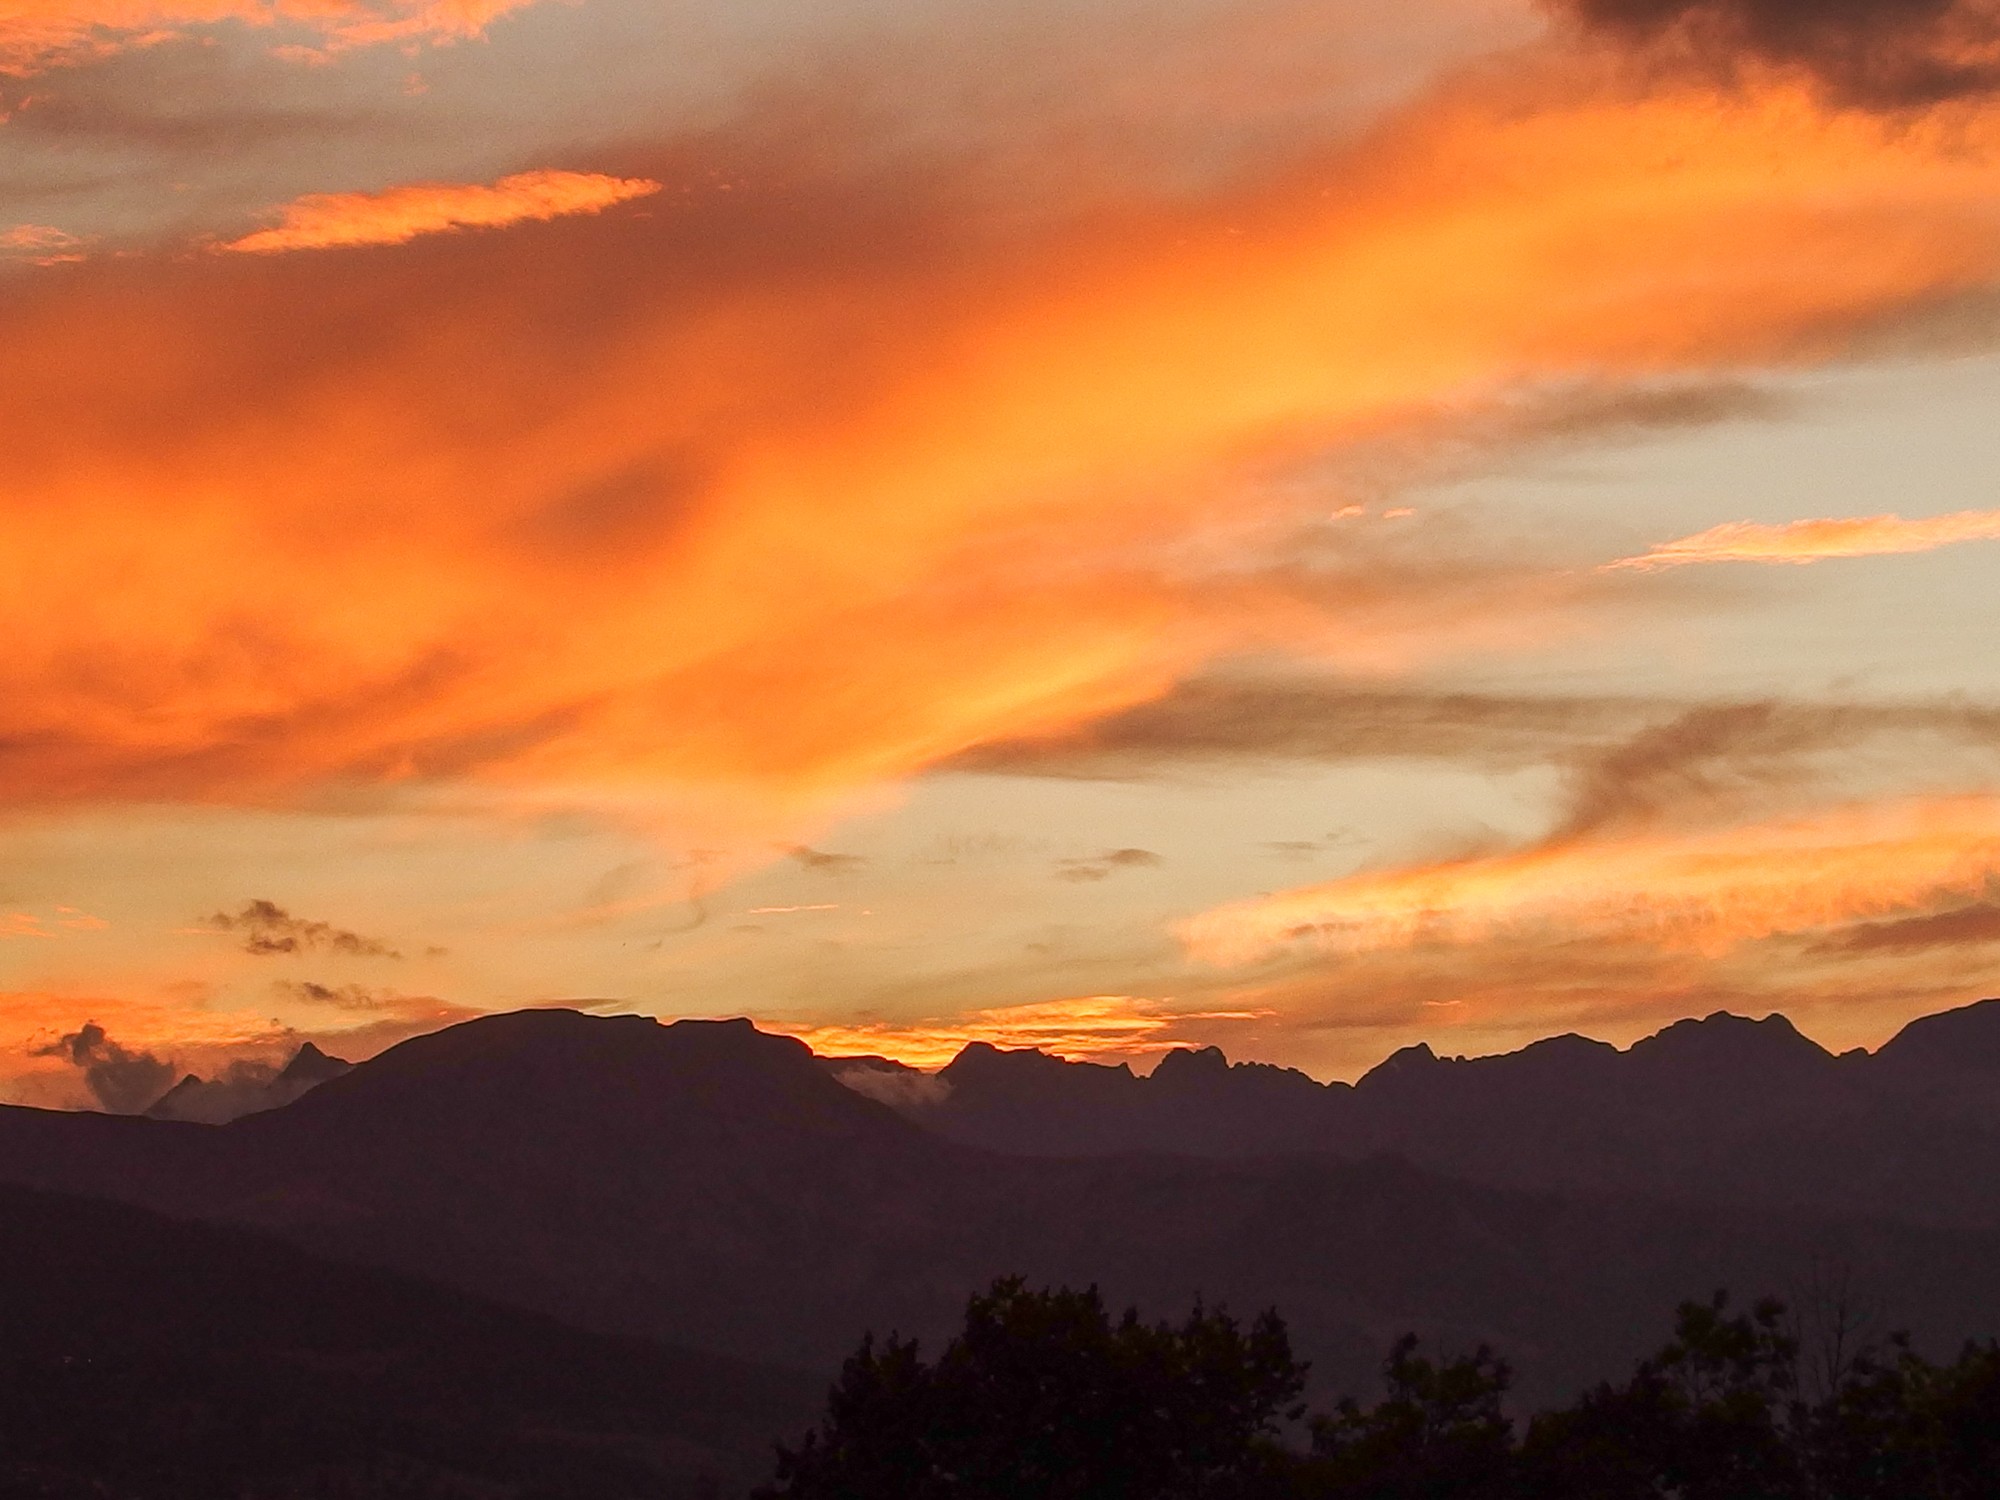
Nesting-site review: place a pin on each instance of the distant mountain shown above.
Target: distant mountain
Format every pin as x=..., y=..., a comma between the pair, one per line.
x=1721, y=1110
x=144, y=1356
x=711, y=1185
x=246, y=1088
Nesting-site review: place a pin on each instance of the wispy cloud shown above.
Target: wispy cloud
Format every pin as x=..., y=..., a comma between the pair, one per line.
x=1814, y=541
x=1701, y=890
x=325, y=221
x=1102, y=866
x=41, y=245
x=267, y=928
x=36, y=35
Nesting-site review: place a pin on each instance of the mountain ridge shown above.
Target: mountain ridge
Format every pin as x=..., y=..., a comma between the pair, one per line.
x=719, y=1187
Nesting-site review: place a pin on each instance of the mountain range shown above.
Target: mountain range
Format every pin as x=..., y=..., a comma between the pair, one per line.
x=1719, y=1110
x=723, y=1189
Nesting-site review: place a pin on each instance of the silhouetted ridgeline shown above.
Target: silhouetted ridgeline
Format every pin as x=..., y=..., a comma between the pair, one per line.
x=713, y=1186
x=1722, y=1110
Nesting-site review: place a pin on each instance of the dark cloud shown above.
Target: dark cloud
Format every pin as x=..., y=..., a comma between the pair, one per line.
x=1878, y=53
x=1627, y=759
x=1736, y=755
x=824, y=862
x=121, y=1081
x=1219, y=718
x=267, y=928
x=1100, y=866
x=355, y=997
x=1960, y=927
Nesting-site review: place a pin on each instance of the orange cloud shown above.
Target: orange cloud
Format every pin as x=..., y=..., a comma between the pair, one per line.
x=1811, y=541
x=1083, y=1029
x=816, y=482
x=323, y=221
x=1701, y=891
x=41, y=244
x=39, y=34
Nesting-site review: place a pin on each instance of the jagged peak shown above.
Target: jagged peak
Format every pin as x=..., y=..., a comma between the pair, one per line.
x=1401, y=1063
x=1186, y=1064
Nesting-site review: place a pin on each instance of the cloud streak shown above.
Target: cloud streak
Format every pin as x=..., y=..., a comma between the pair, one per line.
x=327, y=221
x=36, y=35
x=1701, y=891
x=1811, y=541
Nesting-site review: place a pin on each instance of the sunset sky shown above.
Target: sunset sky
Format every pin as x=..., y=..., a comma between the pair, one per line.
x=1101, y=525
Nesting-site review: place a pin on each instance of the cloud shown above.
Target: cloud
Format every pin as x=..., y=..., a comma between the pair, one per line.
x=899, y=1088
x=123, y=1082
x=397, y=522
x=1884, y=53
x=267, y=928
x=41, y=245
x=1101, y=866
x=1974, y=924
x=1701, y=891
x=822, y=862
x=1727, y=759
x=1801, y=542
x=323, y=221
x=1222, y=718
x=36, y=35
x=1082, y=1029
x=352, y=997
x=1711, y=827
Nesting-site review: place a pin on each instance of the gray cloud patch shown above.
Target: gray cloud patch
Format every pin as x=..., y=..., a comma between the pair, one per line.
x=267, y=928
x=823, y=862
x=1222, y=718
x=1960, y=927
x=899, y=1088
x=1729, y=755
x=357, y=997
x=1100, y=866
x=1878, y=53
x=122, y=1081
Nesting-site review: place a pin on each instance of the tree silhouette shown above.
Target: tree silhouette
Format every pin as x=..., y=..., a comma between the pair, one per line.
x=1439, y=1434
x=1043, y=1396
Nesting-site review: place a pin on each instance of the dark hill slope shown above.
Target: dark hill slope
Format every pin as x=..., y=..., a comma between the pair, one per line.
x=156, y=1358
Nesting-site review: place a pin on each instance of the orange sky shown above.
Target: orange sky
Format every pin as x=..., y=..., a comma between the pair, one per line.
x=720, y=484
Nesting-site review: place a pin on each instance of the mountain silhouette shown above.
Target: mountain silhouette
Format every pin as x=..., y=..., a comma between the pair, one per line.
x=141, y=1355
x=1719, y=1110
x=245, y=1089
x=711, y=1185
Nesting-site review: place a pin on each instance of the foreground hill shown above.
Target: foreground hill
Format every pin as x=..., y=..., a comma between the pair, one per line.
x=711, y=1185
x=1721, y=1110
x=150, y=1357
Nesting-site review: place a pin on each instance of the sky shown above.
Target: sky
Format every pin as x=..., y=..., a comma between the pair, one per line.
x=1103, y=526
